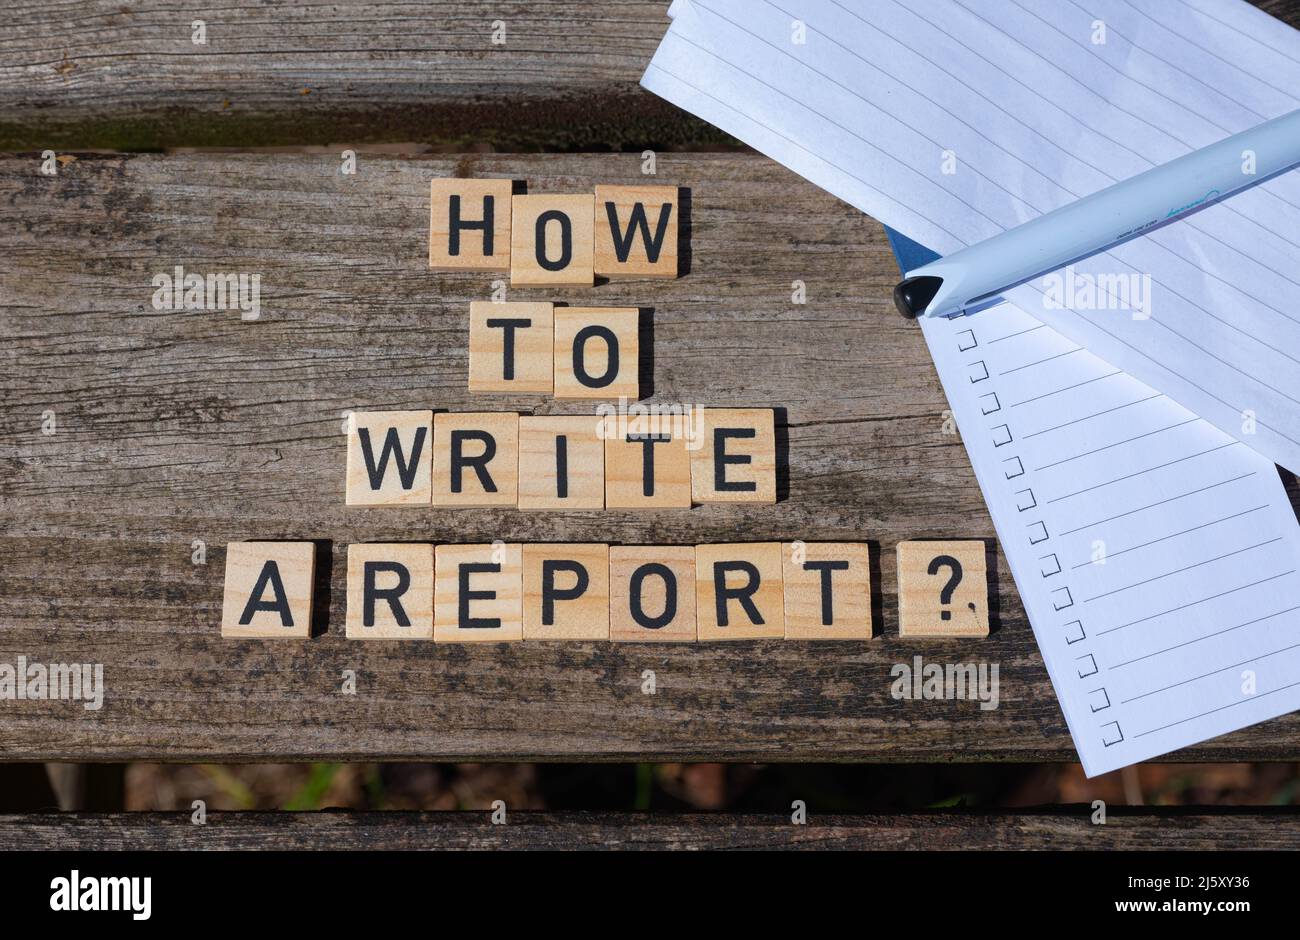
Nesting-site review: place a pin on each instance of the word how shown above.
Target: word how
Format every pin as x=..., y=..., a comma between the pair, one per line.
x=609, y=461
x=553, y=240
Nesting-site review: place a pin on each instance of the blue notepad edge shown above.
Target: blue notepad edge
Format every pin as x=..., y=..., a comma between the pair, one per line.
x=910, y=254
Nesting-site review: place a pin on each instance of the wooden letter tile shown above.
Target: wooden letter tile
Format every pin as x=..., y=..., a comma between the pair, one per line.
x=469, y=224
x=636, y=231
x=735, y=461
x=476, y=459
x=827, y=590
x=390, y=591
x=478, y=594
x=511, y=347
x=389, y=456
x=926, y=606
x=739, y=595
x=596, y=352
x=552, y=241
x=561, y=462
x=566, y=592
x=652, y=594
x=647, y=465
x=268, y=589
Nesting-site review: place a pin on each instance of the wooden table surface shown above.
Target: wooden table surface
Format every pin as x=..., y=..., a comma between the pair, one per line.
x=181, y=426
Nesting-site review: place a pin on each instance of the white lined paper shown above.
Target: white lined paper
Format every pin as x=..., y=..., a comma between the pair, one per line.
x=1156, y=554
x=1007, y=87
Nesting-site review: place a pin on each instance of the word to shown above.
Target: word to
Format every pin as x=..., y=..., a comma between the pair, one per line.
x=553, y=240
x=568, y=352
x=608, y=461
x=561, y=591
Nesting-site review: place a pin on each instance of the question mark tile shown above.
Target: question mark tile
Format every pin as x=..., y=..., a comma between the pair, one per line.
x=942, y=589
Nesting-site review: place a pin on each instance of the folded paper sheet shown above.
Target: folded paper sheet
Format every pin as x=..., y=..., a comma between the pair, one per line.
x=1156, y=554
x=951, y=122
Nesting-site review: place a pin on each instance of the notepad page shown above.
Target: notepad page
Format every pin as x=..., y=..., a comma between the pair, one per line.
x=953, y=120
x=1155, y=554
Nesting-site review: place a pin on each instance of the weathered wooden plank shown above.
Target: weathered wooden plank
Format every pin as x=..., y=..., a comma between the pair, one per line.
x=1069, y=828
x=181, y=426
x=102, y=74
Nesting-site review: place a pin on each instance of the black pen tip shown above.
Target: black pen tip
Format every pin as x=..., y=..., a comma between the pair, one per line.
x=914, y=294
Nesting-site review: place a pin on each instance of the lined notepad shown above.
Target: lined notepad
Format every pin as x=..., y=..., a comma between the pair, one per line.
x=952, y=121
x=1156, y=554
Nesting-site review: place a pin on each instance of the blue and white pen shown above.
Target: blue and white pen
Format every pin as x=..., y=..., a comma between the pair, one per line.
x=1130, y=208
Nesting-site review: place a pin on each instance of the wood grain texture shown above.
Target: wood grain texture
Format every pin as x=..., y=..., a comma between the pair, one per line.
x=1068, y=828
x=108, y=75
x=103, y=74
x=176, y=426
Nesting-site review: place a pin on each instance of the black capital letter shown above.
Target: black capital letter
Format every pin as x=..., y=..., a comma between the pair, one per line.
x=721, y=459
x=634, y=593
x=392, y=448
x=826, y=567
x=509, y=324
x=580, y=356
x=566, y=240
x=551, y=594
x=722, y=593
x=280, y=603
x=648, y=442
x=392, y=595
x=623, y=240
x=466, y=595
x=455, y=224
x=478, y=464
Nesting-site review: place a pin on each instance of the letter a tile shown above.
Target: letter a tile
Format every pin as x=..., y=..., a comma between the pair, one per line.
x=268, y=589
